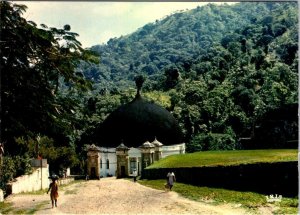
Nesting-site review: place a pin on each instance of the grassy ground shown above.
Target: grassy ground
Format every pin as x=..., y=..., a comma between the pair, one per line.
x=249, y=200
x=226, y=158
x=7, y=208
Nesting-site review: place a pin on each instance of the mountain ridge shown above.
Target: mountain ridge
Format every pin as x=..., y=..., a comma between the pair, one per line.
x=180, y=37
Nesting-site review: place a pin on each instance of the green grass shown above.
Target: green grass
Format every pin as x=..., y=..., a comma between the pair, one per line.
x=287, y=206
x=226, y=158
x=248, y=200
x=31, y=210
x=37, y=192
x=7, y=208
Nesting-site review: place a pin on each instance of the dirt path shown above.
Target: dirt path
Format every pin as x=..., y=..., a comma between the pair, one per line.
x=118, y=196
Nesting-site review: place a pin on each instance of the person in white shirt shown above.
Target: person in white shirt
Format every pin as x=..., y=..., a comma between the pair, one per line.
x=134, y=175
x=171, y=179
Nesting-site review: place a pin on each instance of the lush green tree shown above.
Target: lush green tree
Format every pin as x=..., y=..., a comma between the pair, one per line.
x=58, y=157
x=34, y=61
x=212, y=141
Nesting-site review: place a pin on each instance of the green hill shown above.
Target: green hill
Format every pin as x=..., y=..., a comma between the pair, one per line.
x=226, y=158
x=186, y=37
x=225, y=72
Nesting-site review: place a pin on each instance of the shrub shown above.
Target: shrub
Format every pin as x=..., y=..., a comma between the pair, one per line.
x=13, y=167
x=212, y=141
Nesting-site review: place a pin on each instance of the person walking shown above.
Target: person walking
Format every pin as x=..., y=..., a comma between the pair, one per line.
x=134, y=175
x=171, y=179
x=54, y=190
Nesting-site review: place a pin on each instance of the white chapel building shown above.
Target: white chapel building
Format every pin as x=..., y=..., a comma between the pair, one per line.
x=133, y=137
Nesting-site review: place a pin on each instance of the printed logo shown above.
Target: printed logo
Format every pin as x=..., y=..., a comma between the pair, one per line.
x=274, y=198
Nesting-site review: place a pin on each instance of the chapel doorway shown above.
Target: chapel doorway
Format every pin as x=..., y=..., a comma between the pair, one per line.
x=93, y=172
x=123, y=171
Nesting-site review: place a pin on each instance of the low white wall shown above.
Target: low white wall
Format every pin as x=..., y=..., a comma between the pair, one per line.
x=173, y=150
x=68, y=172
x=33, y=182
x=1, y=196
x=110, y=155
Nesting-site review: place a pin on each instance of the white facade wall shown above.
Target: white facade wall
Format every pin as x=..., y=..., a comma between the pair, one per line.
x=134, y=152
x=108, y=155
x=173, y=150
x=135, y=156
x=1, y=196
x=68, y=173
x=27, y=183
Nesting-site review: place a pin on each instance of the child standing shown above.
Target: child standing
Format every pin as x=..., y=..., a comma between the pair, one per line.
x=54, y=190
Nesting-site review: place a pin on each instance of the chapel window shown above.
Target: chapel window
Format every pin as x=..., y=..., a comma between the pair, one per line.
x=107, y=164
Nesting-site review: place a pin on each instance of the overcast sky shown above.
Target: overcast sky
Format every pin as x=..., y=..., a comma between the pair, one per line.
x=97, y=22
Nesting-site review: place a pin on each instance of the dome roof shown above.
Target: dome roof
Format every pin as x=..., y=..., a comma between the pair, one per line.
x=156, y=142
x=147, y=144
x=122, y=147
x=137, y=122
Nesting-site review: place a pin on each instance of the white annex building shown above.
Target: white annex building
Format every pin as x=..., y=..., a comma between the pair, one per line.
x=134, y=159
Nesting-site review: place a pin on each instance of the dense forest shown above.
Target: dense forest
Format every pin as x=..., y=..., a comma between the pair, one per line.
x=223, y=71
x=229, y=75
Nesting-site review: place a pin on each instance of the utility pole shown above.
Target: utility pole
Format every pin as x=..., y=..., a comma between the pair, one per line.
x=40, y=158
x=1, y=158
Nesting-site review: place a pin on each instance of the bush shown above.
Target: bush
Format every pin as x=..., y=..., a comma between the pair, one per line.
x=212, y=141
x=13, y=167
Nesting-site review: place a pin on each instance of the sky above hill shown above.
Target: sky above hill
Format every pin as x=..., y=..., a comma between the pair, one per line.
x=97, y=22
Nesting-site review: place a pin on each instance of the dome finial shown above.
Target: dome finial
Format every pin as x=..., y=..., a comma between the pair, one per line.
x=139, y=80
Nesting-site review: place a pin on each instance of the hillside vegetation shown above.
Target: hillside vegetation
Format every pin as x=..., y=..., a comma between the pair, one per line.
x=226, y=158
x=201, y=38
x=229, y=74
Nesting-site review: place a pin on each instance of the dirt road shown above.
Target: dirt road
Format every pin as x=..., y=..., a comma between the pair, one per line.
x=118, y=196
